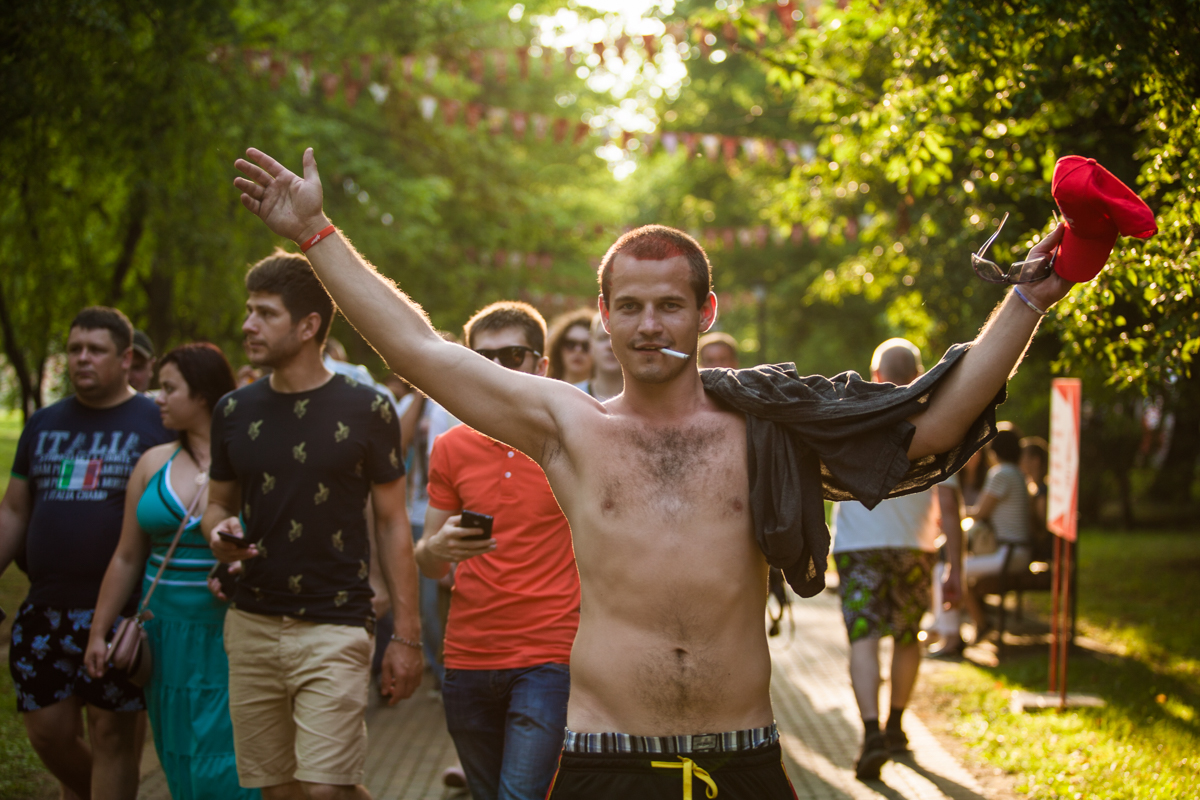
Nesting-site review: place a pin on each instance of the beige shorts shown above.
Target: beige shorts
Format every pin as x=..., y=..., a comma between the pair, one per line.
x=298, y=699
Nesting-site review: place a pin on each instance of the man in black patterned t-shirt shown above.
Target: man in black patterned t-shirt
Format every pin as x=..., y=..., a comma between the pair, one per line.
x=296, y=457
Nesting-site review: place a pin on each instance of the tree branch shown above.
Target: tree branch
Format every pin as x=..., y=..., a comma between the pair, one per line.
x=17, y=358
x=135, y=226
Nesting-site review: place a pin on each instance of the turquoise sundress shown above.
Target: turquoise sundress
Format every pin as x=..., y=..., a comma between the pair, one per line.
x=188, y=696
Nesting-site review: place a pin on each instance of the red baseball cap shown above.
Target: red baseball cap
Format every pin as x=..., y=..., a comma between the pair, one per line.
x=1096, y=207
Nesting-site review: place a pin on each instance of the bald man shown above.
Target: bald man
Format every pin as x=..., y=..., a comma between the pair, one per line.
x=884, y=558
x=718, y=349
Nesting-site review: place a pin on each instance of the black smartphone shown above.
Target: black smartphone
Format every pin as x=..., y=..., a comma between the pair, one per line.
x=472, y=520
x=229, y=537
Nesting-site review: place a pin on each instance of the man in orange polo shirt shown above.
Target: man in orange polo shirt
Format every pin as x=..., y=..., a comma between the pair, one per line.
x=515, y=605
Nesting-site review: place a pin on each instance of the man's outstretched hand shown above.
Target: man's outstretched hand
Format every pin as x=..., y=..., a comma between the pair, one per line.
x=288, y=204
x=1053, y=288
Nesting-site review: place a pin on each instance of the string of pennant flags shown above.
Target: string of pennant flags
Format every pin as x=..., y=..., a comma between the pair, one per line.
x=360, y=74
x=520, y=124
x=501, y=60
x=498, y=120
x=373, y=74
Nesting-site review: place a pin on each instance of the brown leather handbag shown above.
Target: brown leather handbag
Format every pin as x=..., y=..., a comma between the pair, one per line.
x=129, y=650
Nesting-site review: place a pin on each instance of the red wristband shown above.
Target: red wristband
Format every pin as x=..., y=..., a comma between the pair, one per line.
x=316, y=237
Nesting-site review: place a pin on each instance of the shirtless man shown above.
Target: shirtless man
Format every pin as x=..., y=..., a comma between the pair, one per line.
x=671, y=650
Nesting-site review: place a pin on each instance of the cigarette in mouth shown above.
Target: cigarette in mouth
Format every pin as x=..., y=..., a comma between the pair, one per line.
x=675, y=353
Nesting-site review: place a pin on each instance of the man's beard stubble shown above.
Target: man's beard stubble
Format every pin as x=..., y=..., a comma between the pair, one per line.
x=278, y=354
x=666, y=372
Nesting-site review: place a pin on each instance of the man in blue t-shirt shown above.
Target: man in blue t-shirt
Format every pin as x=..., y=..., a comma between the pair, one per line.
x=65, y=505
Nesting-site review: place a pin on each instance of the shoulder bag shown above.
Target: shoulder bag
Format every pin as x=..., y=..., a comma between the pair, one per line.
x=129, y=651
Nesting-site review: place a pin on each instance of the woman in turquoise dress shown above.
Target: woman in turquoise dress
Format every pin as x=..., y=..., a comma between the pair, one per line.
x=188, y=694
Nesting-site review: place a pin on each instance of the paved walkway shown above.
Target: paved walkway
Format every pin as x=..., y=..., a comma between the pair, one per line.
x=820, y=727
x=814, y=707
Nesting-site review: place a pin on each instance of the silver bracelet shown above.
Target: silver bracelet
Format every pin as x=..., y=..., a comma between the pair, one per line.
x=409, y=642
x=1027, y=302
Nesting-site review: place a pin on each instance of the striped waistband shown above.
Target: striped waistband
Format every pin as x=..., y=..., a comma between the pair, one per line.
x=730, y=741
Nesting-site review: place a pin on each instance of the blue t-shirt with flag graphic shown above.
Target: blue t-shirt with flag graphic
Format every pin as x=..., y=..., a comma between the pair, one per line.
x=77, y=461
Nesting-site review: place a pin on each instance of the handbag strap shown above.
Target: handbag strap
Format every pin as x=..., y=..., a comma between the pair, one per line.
x=202, y=480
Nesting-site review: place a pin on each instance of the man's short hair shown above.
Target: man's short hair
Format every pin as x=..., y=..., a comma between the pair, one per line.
x=94, y=318
x=1006, y=445
x=657, y=243
x=290, y=276
x=718, y=337
x=897, y=361
x=508, y=314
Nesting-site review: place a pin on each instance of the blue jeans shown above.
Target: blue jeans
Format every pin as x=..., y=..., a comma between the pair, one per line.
x=508, y=727
x=431, y=618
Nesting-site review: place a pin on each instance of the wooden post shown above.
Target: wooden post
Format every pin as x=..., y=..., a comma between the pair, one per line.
x=1061, y=520
x=1061, y=513
x=1054, y=615
x=1063, y=639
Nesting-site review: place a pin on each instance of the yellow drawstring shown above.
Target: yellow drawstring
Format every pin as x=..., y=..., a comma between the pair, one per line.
x=689, y=768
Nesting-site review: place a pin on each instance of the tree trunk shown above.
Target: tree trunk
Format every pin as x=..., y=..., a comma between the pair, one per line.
x=1125, y=484
x=135, y=226
x=31, y=396
x=1173, y=483
x=160, y=303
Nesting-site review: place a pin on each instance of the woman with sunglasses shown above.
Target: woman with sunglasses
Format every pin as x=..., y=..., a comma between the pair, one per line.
x=188, y=693
x=570, y=341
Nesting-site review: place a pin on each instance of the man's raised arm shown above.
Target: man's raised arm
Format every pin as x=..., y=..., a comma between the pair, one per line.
x=967, y=389
x=512, y=408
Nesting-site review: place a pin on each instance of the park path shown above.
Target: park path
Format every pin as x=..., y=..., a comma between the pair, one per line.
x=820, y=727
x=814, y=706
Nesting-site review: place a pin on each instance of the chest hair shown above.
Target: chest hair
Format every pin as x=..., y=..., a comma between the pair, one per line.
x=668, y=469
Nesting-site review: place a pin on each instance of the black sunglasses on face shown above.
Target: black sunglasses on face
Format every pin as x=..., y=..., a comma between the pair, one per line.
x=511, y=357
x=1029, y=271
x=575, y=344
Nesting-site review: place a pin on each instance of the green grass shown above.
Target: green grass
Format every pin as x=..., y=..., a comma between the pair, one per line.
x=10, y=431
x=21, y=772
x=1137, y=596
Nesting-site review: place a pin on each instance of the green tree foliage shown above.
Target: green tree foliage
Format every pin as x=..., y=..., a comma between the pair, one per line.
x=118, y=138
x=933, y=119
x=930, y=119
x=956, y=112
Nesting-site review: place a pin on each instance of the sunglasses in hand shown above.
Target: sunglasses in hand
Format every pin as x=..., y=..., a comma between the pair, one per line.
x=1029, y=271
x=511, y=357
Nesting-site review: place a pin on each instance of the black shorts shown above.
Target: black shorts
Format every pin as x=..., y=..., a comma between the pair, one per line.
x=46, y=662
x=756, y=774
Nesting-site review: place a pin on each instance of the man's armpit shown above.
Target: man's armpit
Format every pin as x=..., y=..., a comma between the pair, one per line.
x=573, y=413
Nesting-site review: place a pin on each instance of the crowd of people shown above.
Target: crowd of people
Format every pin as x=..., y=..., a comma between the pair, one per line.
x=607, y=533
x=499, y=644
